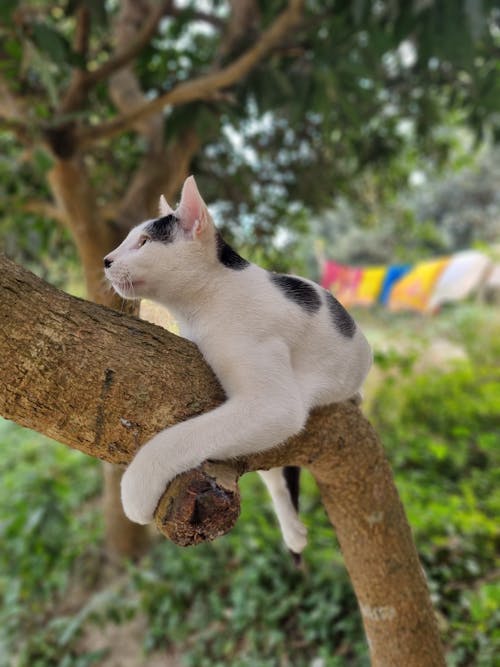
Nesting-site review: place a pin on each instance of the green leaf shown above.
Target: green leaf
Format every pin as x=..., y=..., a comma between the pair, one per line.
x=52, y=43
x=43, y=160
x=6, y=9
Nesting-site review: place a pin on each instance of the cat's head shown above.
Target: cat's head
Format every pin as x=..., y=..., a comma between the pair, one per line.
x=162, y=256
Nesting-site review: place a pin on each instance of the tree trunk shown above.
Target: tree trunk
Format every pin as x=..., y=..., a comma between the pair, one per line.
x=94, y=238
x=104, y=383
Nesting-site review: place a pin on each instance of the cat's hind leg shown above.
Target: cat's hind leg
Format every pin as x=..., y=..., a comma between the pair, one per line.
x=285, y=503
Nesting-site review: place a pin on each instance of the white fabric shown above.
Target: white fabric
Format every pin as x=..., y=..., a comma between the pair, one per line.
x=493, y=280
x=463, y=275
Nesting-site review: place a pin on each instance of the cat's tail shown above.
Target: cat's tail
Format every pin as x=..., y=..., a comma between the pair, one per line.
x=283, y=486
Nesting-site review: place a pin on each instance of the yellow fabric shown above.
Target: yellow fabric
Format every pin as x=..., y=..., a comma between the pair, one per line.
x=414, y=290
x=370, y=285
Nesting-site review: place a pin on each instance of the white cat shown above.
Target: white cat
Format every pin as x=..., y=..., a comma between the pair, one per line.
x=279, y=345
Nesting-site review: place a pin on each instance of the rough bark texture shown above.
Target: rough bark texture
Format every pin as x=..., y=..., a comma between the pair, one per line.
x=104, y=383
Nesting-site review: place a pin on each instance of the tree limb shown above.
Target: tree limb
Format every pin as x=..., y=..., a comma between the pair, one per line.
x=205, y=85
x=83, y=80
x=126, y=93
x=104, y=383
x=46, y=210
x=78, y=87
x=125, y=55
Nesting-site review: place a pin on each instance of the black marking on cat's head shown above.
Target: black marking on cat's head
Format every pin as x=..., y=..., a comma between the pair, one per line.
x=298, y=290
x=228, y=256
x=163, y=229
x=342, y=321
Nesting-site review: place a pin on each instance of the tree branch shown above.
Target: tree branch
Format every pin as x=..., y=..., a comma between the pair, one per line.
x=104, y=383
x=46, y=210
x=205, y=85
x=126, y=93
x=83, y=80
x=78, y=87
x=133, y=49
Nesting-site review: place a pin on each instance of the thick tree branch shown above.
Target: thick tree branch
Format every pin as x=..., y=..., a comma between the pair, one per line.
x=105, y=383
x=204, y=86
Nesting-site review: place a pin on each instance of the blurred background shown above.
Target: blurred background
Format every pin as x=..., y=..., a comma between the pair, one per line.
x=353, y=142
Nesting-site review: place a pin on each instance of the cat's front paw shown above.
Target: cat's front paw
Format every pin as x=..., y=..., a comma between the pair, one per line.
x=141, y=489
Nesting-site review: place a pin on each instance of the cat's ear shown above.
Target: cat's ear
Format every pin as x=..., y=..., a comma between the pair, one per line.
x=192, y=211
x=164, y=208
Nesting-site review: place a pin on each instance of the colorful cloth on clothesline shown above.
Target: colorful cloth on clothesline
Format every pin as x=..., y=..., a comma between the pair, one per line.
x=342, y=281
x=393, y=274
x=370, y=285
x=414, y=290
x=423, y=287
x=464, y=273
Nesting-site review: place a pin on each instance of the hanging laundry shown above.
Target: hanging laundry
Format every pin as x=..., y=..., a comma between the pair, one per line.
x=465, y=272
x=369, y=286
x=414, y=290
x=393, y=274
x=341, y=280
x=424, y=286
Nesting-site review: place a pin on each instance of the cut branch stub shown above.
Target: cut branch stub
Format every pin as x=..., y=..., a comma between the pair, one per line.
x=200, y=505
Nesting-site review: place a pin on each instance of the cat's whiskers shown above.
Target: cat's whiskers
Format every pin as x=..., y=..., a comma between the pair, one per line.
x=129, y=286
x=106, y=285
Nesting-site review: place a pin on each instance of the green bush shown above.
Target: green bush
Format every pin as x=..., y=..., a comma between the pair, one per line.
x=441, y=431
x=42, y=528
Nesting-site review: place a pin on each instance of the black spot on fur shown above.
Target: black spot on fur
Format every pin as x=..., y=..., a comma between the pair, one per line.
x=228, y=256
x=298, y=291
x=163, y=229
x=342, y=321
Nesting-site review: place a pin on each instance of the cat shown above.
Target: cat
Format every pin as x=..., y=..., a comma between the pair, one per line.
x=279, y=345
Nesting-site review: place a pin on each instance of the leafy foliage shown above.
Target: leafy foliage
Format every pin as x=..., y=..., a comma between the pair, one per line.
x=441, y=430
x=302, y=129
x=42, y=530
x=441, y=215
x=30, y=236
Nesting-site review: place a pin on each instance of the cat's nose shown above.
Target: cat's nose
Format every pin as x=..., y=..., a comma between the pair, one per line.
x=107, y=262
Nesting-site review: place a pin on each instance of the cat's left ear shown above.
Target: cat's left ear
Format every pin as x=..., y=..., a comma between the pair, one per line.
x=192, y=211
x=164, y=207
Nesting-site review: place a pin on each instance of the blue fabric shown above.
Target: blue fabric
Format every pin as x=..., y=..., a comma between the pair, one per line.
x=394, y=273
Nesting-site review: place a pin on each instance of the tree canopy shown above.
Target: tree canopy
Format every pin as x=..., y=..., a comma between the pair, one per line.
x=278, y=107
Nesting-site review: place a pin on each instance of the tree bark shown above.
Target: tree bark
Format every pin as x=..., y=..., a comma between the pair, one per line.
x=104, y=383
x=94, y=238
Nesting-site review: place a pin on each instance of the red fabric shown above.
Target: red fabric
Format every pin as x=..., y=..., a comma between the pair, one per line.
x=341, y=280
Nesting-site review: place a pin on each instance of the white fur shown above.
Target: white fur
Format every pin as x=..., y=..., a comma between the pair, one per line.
x=274, y=360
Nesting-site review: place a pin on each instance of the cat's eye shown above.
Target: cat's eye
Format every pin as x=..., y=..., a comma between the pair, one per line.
x=142, y=241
